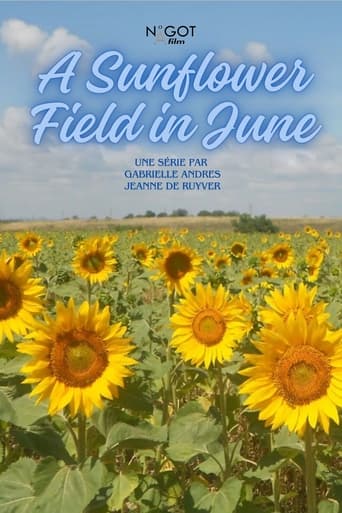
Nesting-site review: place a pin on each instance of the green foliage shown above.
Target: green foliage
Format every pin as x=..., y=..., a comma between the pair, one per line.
x=179, y=212
x=161, y=445
x=191, y=432
x=249, y=224
x=123, y=485
x=16, y=489
x=225, y=499
x=217, y=213
x=149, y=213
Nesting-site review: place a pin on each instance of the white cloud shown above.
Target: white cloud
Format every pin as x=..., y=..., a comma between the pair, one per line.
x=253, y=51
x=57, y=44
x=54, y=180
x=257, y=51
x=20, y=36
x=226, y=54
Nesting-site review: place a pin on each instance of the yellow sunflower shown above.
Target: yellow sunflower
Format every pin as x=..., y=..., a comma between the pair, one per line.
x=17, y=258
x=164, y=238
x=238, y=249
x=211, y=254
x=179, y=267
x=297, y=375
x=290, y=303
x=323, y=245
x=20, y=297
x=314, y=233
x=313, y=273
x=248, y=276
x=314, y=256
x=94, y=260
x=143, y=254
x=30, y=243
x=208, y=324
x=268, y=271
x=281, y=255
x=222, y=261
x=183, y=231
x=77, y=358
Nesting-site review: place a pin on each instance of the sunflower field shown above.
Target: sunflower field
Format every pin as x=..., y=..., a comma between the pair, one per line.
x=160, y=371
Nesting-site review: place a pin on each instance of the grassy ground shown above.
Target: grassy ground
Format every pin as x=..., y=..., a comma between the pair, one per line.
x=195, y=223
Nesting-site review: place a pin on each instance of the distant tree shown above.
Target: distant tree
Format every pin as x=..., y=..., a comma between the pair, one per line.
x=150, y=213
x=129, y=216
x=204, y=213
x=247, y=224
x=217, y=213
x=162, y=214
x=180, y=212
x=232, y=213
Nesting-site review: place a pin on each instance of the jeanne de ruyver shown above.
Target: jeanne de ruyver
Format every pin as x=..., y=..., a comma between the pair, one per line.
x=110, y=74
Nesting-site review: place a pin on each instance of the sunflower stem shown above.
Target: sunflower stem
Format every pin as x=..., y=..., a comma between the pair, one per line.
x=168, y=391
x=310, y=470
x=82, y=438
x=223, y=409
x=276, y=481
x=89, y=290
x=69, y=427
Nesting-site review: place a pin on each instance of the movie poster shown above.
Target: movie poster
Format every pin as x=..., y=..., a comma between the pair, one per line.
x=170, y=267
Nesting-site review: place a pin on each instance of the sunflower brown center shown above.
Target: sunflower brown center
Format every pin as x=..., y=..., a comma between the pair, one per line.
x=93, y=262
x=30, y=243
x=221, y=262
x=209, y=327
x=78, y=358
x=141, y=254
x=237, y=249
x=177, y=265
x=302, y=374
x=280, y=255
x=10, y=299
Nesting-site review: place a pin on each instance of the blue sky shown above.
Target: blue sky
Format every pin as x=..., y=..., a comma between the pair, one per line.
x=88, y=179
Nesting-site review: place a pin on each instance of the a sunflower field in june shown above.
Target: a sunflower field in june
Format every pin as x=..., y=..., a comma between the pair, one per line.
x=170, y=371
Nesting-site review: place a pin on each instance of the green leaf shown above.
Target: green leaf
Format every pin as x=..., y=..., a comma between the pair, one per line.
x=191, y=431
x=16, y=491
x=105, y=419
x=27, y=412
x=123, y=485
x=21, y=411
x=155, y=367
x=328, y=506
x=44, y=440
x=134, y=398
x=148, y=494
x=7, y=412
x=286, y=439
x=211, y=466
x=12, y=367
x=223, y=500
x=143, y=435
x=44, y=473
x=70, y=490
